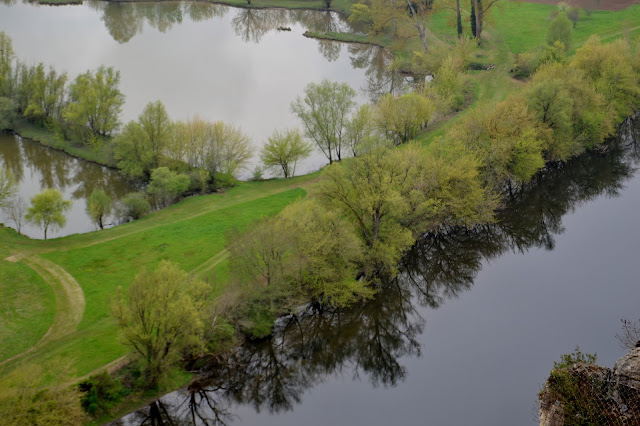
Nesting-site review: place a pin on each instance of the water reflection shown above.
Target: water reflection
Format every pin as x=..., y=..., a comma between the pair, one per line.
x=371, y=340
x=36, y=168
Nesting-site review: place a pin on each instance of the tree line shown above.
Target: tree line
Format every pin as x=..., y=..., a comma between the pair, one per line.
x=367, y=211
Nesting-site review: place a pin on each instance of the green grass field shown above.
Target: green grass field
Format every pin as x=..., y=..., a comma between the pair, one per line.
x=27, y=307
x=191, y=233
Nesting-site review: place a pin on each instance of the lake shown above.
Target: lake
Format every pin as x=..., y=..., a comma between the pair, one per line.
x=201, y=59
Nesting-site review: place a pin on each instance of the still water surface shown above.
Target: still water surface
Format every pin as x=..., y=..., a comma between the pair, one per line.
x=213, y=61
x=36, y=168
x=468, y=332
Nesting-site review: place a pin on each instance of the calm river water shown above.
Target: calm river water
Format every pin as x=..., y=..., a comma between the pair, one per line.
x=468, y=332
x=202, y=59
x=37, y=168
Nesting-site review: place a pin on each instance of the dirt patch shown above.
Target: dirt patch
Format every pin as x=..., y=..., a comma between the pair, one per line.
x=592, y=4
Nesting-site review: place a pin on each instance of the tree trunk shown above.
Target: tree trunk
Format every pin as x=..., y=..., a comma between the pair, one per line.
x=479, y=14
x=45, y=232
x=100, y=223
x=458, y=18
x=473, y=18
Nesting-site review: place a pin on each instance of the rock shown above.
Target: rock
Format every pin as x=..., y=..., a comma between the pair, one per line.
x=626, y=371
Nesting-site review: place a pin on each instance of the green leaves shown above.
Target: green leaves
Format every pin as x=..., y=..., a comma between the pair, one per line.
x=47, y=209
x=284, y=150
x=163, y=316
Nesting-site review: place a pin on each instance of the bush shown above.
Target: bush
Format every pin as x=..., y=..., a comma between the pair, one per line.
x=8, y=114
x=224, y=180
x=101, y=393
x=134, y=206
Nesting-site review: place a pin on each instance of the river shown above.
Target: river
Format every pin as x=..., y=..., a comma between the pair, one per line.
x=468, y=332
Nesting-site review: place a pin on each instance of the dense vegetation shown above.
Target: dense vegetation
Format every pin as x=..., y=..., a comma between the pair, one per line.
x=259, y=250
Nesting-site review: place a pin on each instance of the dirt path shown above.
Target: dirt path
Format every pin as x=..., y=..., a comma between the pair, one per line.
x=70, y=303
x=209, y=264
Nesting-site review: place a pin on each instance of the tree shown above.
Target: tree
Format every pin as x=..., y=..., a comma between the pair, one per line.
x=47, y=95
x=47, y=209
x=284, y=150
x=400, y=119
x=610, y=67
x=167, y=185
x=163, y=316
x=574, y=15
x=324, y=113
x=560, y=30
x=8, y=114
x=96, y=101
x=141, y=145
x=360, y=129
x=420, y=10
x=479, y=11
x=98, y=207
x=15, y=209
x=7, y=56
x=372, y=191
x=7, y=186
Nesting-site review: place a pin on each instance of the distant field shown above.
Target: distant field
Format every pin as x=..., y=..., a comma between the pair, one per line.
x=592, y=4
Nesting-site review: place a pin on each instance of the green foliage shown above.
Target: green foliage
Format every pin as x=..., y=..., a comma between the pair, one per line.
x=25, y=401
x=163, y=317
x=574, y=15
x=324, y=113
x=400, y=119
x=47, y=210
x=134, y=206
x=140, y=146
x=98, y=207
x=610, y=67
x=560, y=30
x=283, y=151
x=7, y=56
x=360, y=130
x=224, y=181
x=575, y=357
x=8, y=114
x=96, y=102
x=563, y=99
x=167, y=185
x=47, y=92
x=100, y=393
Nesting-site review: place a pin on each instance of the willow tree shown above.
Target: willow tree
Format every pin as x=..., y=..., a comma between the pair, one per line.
x=324, y=112
x=163, y=316
x=284, y=150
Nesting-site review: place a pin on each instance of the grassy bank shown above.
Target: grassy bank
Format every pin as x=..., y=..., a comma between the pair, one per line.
x=100, y=155
x=190, y=233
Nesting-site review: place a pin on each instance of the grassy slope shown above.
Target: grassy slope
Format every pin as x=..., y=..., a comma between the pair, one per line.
x=189, y=233
x=27, y=307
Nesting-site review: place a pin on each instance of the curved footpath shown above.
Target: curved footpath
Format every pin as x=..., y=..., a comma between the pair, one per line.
x=70, y=303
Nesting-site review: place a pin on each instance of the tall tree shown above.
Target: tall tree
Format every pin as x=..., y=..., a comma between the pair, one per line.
x=7, y=56
x=141, y=145
x=400, y=119
x=284, y=150
x=420, y=10
x=98, y=207
x=47, y=210
x=324, y=113
x=163, y=316
x=96, y=101
x=15, y=210
x=481, y=9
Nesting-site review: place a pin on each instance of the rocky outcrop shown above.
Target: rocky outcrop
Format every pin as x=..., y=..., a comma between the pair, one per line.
x=595, y=394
